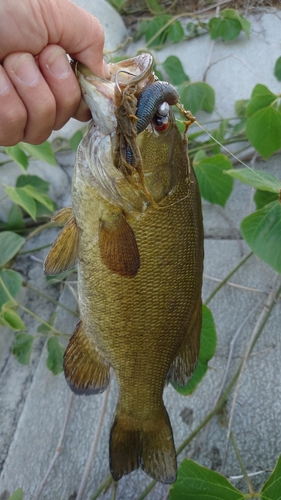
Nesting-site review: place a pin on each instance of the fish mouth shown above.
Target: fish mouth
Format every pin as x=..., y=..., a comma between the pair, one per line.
x=103, y=96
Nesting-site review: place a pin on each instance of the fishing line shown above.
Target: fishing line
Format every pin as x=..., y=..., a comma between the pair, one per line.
x=225, y=149
x=192, y=119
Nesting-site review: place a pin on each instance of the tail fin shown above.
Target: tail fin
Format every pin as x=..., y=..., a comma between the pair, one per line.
x=148, y=444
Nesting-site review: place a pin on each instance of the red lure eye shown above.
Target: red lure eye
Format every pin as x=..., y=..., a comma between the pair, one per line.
x=160, y=123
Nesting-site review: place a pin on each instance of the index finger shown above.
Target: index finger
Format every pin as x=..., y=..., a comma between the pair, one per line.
x=79, y=33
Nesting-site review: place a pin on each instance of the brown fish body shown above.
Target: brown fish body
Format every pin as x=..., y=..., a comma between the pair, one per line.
x=143, y=320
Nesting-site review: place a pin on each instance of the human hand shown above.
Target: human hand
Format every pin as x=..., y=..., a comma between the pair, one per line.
x=39, y=91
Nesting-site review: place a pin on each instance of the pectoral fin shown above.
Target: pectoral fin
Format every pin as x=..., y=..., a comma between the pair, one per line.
x=63, y=253
x=63, y=216
x=85, y=369
x=186, y=359
x=118, y=246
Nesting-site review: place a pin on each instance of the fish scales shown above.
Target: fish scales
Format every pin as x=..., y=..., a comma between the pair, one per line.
x=139, y=283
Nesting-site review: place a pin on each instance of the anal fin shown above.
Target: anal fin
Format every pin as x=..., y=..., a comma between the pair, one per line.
x=118, y=246
x=63, y=253
x=85, y=369
x=186, y=358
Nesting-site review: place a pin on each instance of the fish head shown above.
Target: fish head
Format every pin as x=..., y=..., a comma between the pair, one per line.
x=103, y=96
x=130, y=144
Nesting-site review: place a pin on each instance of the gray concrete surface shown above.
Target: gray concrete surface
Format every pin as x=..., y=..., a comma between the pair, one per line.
x=33, y=402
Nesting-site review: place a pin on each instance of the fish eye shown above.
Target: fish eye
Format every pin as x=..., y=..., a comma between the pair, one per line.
x=161, y=118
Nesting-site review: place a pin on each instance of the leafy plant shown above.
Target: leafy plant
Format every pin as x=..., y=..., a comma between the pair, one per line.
x=228, y=25
x=263, y=125
x=196, y=482
x=17, y=495
x=30, y=198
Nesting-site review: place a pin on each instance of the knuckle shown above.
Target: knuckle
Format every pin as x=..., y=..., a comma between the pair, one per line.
x=12, y=125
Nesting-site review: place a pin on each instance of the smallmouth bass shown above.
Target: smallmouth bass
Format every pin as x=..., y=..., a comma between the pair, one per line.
x=135, y=230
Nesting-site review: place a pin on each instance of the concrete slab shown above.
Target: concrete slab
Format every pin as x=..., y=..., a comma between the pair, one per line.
x=33, y=403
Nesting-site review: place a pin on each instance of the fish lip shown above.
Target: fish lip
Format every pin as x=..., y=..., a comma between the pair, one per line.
x=140, y=67
x=103, y=95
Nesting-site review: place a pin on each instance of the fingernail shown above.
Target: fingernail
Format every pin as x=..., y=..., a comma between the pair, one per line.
x=58, y=64
x=4, y=83
x=106, y=70
x=26, y=70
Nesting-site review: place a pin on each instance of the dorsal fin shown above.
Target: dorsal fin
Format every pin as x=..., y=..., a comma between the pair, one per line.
x=185, y=361
x=118, y=247
x=85, y=369
x=63, y=253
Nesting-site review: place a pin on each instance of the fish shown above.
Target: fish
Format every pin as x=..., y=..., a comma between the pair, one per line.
x=135, y=230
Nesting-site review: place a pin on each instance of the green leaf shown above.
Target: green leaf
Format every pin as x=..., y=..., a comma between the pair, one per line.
x=198, y=157
x=208, y=343
x=272, y=487
x=22, y=347
x=196, y=482
x=193, y=97
x=12, y=282
x=18, y=155
x=277, y=69
x=35, y=181
x=14, y=320
x=240, y=127
x=41, y=152
x=214, y=185
x=175, y=33
x=256, y=179
x=261, y=90
x=10, y=244
x=227, y=29
x=42, y=198
x=55, y=355
x=262, y=232
x=154, y=6
x=151, y=27
x=42, y=211
x=246, y=26
x=263, y=130
x=76, y=139
x=15, y=218
x=174, y=69
x=158, y=74
x=19, y=196
x=209, y=101
x=118, y=4
x=219, y=135
x=17, y=495
x=262, y=198
x=240, y=107
x=58, y=278
x=259, y=102
x=234, y=14
x=4, y=323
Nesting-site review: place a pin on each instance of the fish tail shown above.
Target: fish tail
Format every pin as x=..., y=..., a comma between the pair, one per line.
x=149, y=445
